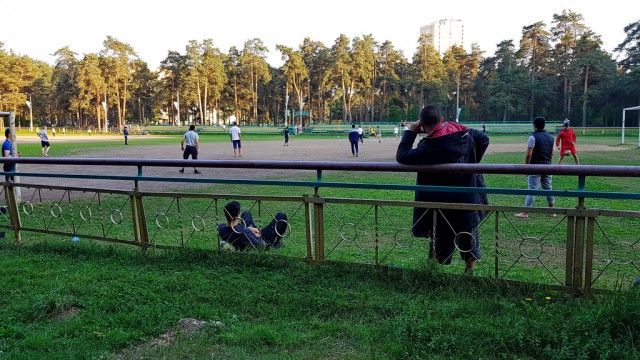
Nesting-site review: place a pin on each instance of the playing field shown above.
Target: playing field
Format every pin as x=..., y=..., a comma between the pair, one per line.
x=302, y=148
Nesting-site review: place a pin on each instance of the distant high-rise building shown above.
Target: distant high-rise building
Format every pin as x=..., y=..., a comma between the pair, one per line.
x=445, y=33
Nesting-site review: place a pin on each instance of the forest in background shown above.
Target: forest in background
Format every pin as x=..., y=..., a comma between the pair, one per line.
x=558, y=71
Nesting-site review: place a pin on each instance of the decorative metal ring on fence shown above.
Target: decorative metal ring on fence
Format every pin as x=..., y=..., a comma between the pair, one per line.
x=52, y=209
x=456, y=241
x=401, y=243
x=27, y=208
x=532, y=255
x=166, y=221
x=355, y=232
x=287, y=229
x=618, y=252
x=244, y=225
x=193, y=225
x=117, y=221
x=82, y=214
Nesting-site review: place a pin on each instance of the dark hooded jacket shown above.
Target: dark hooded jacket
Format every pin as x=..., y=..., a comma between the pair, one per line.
x=448, y=143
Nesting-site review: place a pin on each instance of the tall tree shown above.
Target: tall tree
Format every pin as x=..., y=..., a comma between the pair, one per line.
x=430, y=72
x=296, y=73
x=64, y=81
x=389, y=61
x=254, y=63
x=594, y=65
x=534, y=51
x=341, y=65
x=91, y=86
x=118, y=58
x=567, y=29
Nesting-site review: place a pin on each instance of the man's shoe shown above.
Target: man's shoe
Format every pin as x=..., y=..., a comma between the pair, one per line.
x=181, y=171
x=197, y=172
x=522, y=215
x=356, y=155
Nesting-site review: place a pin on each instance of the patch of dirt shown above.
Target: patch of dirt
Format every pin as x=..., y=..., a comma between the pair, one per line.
x=185, y=327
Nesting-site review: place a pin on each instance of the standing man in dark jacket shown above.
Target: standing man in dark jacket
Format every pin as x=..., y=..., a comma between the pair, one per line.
x=539, y=151
x=445, y=143
x=354, y=137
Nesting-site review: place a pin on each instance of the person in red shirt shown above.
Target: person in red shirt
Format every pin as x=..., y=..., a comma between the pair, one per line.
x=568, y=139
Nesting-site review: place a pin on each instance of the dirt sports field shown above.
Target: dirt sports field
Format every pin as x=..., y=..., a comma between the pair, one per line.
x=299, y=149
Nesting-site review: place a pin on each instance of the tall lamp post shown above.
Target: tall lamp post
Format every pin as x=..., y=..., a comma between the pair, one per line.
x=106, y=117
x=286, y=105
x=29, y=104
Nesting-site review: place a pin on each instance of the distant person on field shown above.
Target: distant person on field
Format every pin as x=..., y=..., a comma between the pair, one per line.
x=361, y=134
x=125, y=132
x=539, y=151
x=236, y=139
x=44, y=141
x=395, y=132
x=7, y=151
x=568, y=139
x=240, y=232
x=286, y=136
x=378, y=134
x=372, y=133
x=354, y=138
x=53, y=131
x=444, y=143
x=192, y=140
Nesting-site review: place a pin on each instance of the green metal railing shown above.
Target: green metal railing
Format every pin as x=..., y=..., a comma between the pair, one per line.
x=574, y=251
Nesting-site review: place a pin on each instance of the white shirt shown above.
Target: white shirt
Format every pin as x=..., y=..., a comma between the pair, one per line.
x=395, y=130
x=359, y=131
x=43, y=135
x=235, y=132
x=190, y=138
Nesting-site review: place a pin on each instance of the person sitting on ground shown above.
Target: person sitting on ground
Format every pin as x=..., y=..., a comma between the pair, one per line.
x=240, y=231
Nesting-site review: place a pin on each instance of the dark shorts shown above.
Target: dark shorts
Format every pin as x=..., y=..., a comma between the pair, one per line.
x=190, y=150
x=44, y=143
x=237, y=144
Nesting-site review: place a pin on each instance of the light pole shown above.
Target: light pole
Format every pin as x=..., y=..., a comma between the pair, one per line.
x=458, y=98
x=286, y=105
x=29, y=104
x=106, y=118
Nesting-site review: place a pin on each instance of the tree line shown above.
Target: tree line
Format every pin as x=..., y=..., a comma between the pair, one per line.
x=557, y=71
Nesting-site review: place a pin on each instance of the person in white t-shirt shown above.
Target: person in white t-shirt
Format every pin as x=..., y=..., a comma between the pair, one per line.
x=236, y=139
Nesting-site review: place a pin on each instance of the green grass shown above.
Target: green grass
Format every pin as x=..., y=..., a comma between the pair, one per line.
x=275, y=307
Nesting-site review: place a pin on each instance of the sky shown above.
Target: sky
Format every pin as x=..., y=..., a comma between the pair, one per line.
x=37, y=28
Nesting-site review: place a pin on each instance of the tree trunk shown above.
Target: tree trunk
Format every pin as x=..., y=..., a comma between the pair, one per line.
x=584, y=96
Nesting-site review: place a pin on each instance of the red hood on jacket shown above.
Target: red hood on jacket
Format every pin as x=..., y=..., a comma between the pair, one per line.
x=446, y=128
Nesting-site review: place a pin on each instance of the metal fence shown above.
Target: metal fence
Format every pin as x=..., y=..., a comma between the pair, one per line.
x=582, y=249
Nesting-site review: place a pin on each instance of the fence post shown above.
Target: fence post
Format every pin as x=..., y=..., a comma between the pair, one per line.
x=14, y=212
x=588, y=266
x=308, y=225
x=318, y=226
x=571, y=227
x=139, y=220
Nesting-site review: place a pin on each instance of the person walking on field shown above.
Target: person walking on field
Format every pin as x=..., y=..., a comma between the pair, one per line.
x=378, y=134
x=568, y=139
x=396, y=131
x=192, y=140
x=361, y=134
x=444, y=143
x=125, y=132
x=353, y=139
x=286, y=136
x=539, y=151
x=44, y=141
x=236, y=139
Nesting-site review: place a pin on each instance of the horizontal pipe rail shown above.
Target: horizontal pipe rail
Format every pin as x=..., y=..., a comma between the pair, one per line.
x=513, y=169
